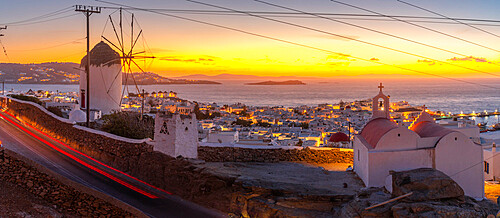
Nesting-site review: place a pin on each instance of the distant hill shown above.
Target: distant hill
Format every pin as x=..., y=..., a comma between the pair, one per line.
x=45, y=73
x=311, y=79
x=273, y=83
x=222, y=77
x=148, y=78
x=69, y=73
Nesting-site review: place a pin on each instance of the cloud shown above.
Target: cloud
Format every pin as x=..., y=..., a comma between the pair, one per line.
x=470, y=58
x=161, y=50
x=374, y=59
x=338, y=60
x=339, y=56
x=429, y=62
x=338, y=64
x=206, y=60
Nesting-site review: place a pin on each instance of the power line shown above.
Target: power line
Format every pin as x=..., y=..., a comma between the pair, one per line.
x=370, y=29
x=417, y=25
x=43, y=21
x=342, y=36
x=341, y=16
x=473, y=165
x=222, y=12
x=296, y=44
x=54, y=13
x=458, y=21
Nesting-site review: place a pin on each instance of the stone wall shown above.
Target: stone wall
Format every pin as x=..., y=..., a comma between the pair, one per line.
x=177, y=176
x=74, y=199
x=234, y=154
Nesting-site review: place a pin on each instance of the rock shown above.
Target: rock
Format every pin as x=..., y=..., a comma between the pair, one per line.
x=29, y=184
x=438, y=209
x=426, y=184
x=435, y=195
x=365, y=198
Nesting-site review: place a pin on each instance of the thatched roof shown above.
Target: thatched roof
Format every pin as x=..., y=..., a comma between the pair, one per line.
x=102, y=55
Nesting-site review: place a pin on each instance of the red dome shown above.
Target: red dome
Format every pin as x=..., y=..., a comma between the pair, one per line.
x=339, y=137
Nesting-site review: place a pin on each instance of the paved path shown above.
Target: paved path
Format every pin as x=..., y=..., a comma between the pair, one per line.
x=46, y=151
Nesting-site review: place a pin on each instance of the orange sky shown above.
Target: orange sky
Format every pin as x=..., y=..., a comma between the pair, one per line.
x=183, y=47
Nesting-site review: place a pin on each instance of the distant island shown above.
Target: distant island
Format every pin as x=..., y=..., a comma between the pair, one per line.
x=288, y=82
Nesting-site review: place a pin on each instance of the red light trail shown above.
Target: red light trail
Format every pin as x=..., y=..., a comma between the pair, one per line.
x=86, y=164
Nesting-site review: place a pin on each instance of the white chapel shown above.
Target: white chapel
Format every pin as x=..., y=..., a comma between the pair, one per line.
x=384, y=146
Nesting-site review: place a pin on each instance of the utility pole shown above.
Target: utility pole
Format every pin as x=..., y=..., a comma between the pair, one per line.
x=3, y=82
x=4, y=51
x=3, y=28
x=349, y=130
x=87, y=11
x=142, y=107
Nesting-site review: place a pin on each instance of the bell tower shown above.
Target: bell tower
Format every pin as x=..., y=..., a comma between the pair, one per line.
x=380, y=105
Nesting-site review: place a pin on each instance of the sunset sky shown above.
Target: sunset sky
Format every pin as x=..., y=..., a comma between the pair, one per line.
x=184, y=47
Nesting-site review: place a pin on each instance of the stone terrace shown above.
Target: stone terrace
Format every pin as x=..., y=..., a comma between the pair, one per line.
x=294, y=188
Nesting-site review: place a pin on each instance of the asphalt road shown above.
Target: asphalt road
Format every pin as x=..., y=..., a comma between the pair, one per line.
x=27, y=142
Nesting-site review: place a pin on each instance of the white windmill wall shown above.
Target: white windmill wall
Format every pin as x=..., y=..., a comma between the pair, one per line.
x=105, y=90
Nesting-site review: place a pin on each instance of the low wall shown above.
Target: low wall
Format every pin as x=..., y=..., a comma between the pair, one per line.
x=235, y=154
x=70, y=198
x=177, y=176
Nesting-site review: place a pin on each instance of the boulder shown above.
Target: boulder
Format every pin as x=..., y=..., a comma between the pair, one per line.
x=426, y=184
x=365, y=198
x=447, y=208
x=434, y=195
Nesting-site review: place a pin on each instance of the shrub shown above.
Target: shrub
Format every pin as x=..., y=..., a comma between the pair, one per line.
x=128, y=124
x=27, y=98
x=56, y=111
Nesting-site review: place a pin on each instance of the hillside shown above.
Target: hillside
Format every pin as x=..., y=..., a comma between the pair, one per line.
x=45, y=73
x=69, y=73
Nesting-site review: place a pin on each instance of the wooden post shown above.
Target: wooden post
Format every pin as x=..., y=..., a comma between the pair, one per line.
x=389, y=201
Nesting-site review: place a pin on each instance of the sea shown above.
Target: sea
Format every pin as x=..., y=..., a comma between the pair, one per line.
x=436, y=94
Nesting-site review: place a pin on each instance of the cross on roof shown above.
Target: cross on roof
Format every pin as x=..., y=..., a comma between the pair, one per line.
x=380, y=87
x=424, y=107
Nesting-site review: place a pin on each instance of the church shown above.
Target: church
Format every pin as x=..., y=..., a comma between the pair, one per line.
x=384, y=145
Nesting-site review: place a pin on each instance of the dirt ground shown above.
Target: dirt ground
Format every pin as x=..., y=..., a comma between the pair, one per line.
x=330, y=166
x=17, y=202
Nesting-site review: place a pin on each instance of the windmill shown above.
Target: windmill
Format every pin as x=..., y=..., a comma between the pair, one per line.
x=126, y=46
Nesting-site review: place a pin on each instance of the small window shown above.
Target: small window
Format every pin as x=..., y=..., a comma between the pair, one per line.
x=456, y=138
x=486, y=167
x=358, y=155
x=186, y=129
x=399, y=135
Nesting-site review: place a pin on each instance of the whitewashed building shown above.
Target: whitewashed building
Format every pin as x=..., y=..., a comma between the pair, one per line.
x=105, y=80
x=223, y=137
x=384, y=146
x=491, y=164
x=176, y=135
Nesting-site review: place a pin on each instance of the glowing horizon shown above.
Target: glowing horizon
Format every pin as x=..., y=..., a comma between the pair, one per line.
x=185, y=48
